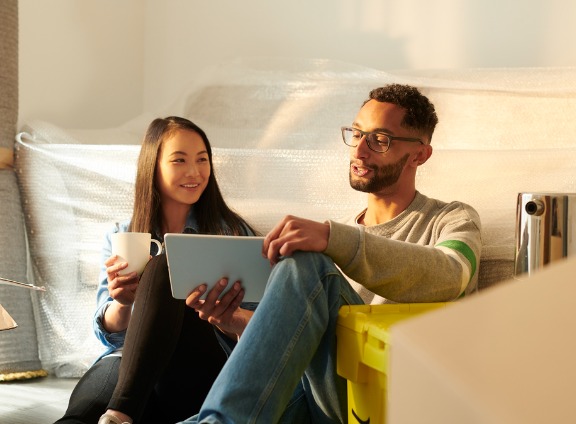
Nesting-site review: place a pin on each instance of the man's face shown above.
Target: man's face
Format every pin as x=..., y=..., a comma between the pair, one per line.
x=374, y=172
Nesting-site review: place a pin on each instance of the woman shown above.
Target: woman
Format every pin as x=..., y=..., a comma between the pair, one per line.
x=175, y=191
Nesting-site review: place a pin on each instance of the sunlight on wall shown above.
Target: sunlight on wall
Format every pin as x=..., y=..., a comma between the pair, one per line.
x=96, y=64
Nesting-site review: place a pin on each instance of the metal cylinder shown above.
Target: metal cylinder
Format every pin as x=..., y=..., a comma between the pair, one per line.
x=545, y=229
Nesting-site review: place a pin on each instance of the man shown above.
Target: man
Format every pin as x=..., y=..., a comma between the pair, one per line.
x=403, y=247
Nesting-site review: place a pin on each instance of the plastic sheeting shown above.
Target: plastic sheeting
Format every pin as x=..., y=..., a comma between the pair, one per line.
x=274, y=126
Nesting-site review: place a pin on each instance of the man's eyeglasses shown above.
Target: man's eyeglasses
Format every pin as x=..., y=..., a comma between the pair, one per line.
x=377, y=141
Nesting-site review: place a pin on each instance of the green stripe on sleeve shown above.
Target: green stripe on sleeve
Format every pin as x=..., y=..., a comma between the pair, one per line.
x=464, y=249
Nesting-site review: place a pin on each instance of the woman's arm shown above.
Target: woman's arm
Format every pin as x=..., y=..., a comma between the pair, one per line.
x=223, y=312
x=122, y=289
x=114, y=297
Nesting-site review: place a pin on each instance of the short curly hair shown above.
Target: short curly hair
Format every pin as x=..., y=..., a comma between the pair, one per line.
x=420, y=113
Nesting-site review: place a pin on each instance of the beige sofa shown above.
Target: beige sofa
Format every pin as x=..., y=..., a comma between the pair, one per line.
x=274, y=126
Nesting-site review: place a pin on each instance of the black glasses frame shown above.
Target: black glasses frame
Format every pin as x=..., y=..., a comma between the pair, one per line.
x=372, y=139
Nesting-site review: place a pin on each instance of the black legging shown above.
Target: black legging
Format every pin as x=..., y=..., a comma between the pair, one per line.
x=161, y=378
x=92, y=393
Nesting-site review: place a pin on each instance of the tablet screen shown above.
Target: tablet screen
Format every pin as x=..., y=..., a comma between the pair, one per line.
x=195, y=259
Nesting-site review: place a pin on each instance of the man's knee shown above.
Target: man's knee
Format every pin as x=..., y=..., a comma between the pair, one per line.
x=305, y=268
x=313, y=260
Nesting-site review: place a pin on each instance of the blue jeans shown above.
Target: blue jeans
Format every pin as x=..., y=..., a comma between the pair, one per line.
x=284, y=366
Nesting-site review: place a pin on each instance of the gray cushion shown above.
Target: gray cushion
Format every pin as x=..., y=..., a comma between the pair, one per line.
x=18, y=347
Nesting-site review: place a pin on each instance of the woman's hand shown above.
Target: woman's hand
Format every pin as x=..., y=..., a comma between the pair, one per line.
x=122, y=288
x=222, y=311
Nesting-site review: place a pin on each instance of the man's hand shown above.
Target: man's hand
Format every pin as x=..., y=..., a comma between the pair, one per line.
x=223, y=312
x=292, y=234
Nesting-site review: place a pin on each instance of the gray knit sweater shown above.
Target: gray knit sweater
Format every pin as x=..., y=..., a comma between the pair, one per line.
x=428, y=253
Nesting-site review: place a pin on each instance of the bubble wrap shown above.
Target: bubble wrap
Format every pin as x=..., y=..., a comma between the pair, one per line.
x=69, y=203
x=274, y=126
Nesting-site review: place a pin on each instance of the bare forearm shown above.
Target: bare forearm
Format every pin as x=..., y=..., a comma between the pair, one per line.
x=236, y=326
x=117, y=317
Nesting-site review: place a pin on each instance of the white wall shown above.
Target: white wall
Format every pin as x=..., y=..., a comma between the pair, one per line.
x=81, y=63
x=96, y=64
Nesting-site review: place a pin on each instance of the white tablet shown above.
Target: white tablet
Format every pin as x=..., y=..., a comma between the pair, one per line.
x=195, y=259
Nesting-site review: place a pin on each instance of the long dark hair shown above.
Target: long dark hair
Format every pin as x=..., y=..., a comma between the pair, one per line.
x=211, y=211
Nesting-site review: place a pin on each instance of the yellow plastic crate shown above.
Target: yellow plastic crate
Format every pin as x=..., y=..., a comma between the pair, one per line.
x=363, y=351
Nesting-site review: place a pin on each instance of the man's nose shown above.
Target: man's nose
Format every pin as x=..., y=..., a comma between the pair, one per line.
x=361, y=149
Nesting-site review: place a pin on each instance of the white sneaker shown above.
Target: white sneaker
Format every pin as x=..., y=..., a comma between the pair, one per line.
x=111, y=419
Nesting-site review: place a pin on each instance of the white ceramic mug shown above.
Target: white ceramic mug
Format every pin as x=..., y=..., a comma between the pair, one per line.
x=133, y=248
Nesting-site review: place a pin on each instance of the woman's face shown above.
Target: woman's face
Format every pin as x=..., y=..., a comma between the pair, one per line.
x=182, y=169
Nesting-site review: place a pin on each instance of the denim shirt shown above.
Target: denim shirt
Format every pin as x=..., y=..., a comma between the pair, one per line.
x=114, y=342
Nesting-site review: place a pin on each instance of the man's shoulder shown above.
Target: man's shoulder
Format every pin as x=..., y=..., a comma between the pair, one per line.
x=442, y=205
x=452, y=211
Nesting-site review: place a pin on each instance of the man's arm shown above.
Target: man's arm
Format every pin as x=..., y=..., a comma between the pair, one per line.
x=402, y=271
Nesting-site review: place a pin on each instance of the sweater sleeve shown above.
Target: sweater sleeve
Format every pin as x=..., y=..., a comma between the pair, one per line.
x=442, y=269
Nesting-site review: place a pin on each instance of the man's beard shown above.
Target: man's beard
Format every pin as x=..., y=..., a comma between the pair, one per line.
x=384, y=177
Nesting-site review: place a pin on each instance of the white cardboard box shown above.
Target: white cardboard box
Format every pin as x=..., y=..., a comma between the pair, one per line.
x=506, y=355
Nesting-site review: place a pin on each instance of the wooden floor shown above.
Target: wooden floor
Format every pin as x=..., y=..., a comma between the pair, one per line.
x=36, y=401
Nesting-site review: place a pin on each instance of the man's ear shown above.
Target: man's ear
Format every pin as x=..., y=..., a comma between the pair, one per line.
x=424, y=154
